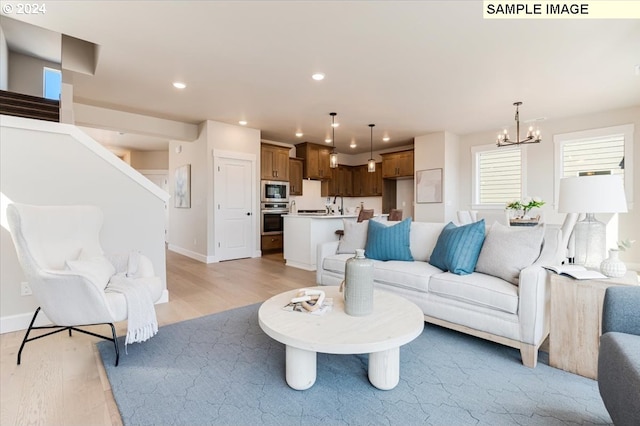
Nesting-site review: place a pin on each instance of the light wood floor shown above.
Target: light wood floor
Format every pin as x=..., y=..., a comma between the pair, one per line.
x=61, y=379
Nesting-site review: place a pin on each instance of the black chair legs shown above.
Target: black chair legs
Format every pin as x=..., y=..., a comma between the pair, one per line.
x=60, y=328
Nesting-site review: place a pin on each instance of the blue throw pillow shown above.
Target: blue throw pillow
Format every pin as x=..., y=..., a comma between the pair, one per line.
x=458, y=248
x=388, y=242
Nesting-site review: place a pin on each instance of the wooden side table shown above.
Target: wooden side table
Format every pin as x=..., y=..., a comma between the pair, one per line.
x=576, y=321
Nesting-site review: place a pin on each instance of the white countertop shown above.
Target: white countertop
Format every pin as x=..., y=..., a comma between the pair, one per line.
x=318, y=216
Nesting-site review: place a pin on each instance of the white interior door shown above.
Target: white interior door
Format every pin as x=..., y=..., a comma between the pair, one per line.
x=235, y=221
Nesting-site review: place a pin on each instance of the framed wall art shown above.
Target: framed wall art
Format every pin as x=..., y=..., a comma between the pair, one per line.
x=429, y=186
x=182, y=191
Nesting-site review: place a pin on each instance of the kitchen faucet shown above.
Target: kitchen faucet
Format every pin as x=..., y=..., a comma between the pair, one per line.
x=341, y=210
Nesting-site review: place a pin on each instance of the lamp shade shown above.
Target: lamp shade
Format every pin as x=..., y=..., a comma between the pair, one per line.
x=592, y=194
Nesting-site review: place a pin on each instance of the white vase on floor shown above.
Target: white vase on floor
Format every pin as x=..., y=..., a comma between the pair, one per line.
x=612, y=266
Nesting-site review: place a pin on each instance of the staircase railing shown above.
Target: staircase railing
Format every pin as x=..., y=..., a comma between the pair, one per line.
x=21, y=105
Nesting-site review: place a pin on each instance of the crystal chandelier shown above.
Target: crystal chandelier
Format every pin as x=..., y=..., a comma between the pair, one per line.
x=533, y=136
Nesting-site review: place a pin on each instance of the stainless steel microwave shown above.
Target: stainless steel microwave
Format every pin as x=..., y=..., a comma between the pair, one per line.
x=271, y=190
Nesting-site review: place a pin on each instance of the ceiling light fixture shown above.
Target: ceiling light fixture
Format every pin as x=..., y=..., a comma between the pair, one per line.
x=299, y=134
x=386, y=139
x=532, y=136
x=318, y=76
x=242, y=123
x=371, y=164
x=333, y=157
x=353, y=144
x=179, y=85
x=328, y=140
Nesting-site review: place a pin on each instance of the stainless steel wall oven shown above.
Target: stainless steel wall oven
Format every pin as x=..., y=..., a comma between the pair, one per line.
x=271, y=221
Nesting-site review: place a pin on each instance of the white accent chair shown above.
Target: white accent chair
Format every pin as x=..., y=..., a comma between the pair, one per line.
x=47, y=238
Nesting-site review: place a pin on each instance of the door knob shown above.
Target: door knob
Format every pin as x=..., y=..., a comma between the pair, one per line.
x=248, y=213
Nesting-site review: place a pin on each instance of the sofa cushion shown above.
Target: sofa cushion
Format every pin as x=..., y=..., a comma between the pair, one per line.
x=506, y=251
x=355, y=236
x=477, y=289
x=411, y=275
x=389, y=242
x=458, y=247
x=424, y=236
x=335, y=263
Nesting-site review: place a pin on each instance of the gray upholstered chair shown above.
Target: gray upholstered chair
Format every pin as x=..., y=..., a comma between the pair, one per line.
x=619, y=358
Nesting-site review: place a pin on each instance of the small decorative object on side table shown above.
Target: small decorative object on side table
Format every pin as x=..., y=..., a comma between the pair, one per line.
x=612, y=266
x=519, y=211
x=576, y=319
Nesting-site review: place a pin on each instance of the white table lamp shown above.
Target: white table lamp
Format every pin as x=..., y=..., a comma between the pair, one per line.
x=590, y=195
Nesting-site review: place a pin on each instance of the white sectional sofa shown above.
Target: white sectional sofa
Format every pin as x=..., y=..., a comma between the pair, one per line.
x=478, y=304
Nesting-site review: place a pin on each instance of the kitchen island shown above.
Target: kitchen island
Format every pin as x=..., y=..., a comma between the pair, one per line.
x=303, y=233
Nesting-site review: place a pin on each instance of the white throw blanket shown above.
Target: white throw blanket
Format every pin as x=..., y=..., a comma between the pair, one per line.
x=142, y=323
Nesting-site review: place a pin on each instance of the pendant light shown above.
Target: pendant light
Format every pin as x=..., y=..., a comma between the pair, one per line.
x=333, y=157
x=371, y=164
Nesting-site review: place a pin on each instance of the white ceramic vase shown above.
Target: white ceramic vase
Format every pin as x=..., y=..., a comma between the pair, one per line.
x=358, y=285
x=612, y=266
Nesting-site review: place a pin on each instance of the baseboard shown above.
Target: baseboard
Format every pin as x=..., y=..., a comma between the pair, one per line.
x=192, y=254
x=19, y=322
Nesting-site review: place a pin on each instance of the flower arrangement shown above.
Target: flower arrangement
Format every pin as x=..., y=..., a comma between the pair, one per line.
x=525, y=205
x=623, y=245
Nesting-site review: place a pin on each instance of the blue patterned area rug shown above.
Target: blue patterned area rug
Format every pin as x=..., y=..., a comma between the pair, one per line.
x=223, y=370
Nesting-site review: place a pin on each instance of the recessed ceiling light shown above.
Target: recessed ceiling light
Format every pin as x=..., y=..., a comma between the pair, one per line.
x=353, y=144
x=242, y=123
x=328, y=140
x=179, y=85
x=386, y=139
x=299, y=134
x=318, y=76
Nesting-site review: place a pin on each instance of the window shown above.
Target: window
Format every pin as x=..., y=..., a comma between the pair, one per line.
x=607, y=150
x=498, y=175
x=52, y=83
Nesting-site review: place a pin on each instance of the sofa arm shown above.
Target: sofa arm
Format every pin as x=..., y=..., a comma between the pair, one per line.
x=621, y=310
x=533, y=304
x=324, y=250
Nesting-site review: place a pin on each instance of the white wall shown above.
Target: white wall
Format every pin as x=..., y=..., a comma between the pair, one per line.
x=25, y=74
x=429, y=153
x=540, y=168
x=4, y=62
x=188, y=227
x=149, y=160
x=192, y=231
x=55, y=164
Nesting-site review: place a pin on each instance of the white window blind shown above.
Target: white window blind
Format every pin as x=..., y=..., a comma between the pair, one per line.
x=499, y=176
x=600, y=154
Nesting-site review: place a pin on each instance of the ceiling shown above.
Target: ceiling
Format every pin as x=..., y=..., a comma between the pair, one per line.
x=410, y=67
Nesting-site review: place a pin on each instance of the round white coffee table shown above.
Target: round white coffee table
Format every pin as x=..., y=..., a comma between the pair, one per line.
x=394, y=322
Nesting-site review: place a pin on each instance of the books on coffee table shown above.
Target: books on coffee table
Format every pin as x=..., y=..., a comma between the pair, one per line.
x=578, y=272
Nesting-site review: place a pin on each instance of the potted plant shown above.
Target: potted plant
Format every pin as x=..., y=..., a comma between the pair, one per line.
x=520, y=210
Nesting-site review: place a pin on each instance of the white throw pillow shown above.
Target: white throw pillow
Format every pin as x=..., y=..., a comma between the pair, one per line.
x=508, y=250
x=355, y=236
x=98, y=269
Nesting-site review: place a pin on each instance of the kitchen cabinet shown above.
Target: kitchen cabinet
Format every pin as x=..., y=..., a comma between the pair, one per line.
x=274, y=162
x=271, y=242
x=397, y=164
x=341, y=182
x=315, y=160
x=295, y=176
x=367, y=184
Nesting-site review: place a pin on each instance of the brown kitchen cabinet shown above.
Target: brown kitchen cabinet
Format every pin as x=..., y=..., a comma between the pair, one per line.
x=316, y=160
x=295, y=176
x=271, y=242
x=274, y=162
x=397, y=164
x=366, y=184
